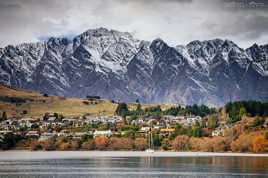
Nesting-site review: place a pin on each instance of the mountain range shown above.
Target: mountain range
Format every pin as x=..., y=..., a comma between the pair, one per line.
x=117, y=66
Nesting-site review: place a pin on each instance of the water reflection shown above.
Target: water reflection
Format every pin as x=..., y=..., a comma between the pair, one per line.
x=138, y=167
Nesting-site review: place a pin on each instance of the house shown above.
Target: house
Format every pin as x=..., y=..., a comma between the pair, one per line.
x=217, y=133
x=150, y=121
x=106, y=133
x=68, y=119
x=79, y=134
x=46, y=135
x=51, y=119
x=193, y=119
x=4, y=132
x=161, y=123
x=63, y=134
x=167, y=130
x=26, y=122
x=145, y=129
x=44, y=125
x=32, y=134
x=220, y=131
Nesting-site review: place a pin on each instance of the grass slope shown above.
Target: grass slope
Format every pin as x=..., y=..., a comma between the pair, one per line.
x=37, y=105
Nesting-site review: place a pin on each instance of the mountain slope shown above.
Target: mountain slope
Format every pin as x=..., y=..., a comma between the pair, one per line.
x=115, y=65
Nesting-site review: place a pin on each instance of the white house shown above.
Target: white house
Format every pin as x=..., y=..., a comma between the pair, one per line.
x=32, y=134
x=51, y=119
x=216, y=133
x=193, y=119
x=46, y=135
x=106, y=133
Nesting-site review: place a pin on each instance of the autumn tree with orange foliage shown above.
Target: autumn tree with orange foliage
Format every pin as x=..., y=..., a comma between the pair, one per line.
x=243, y=143
x=102, y=142
x=120, y=144
x=65, y=146
x=221, y=144
x=260, y=144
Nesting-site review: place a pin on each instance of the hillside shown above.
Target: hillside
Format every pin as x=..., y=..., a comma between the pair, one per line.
x=14, y=101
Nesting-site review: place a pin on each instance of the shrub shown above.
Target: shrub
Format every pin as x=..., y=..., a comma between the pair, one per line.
x=86, y=102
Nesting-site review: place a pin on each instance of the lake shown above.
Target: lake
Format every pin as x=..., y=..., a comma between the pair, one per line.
x=130, y=164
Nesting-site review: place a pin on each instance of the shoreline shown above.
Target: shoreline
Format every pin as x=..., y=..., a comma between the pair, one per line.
x=29, y=155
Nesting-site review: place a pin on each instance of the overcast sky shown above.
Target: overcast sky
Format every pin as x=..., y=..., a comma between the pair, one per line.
x=175, y=21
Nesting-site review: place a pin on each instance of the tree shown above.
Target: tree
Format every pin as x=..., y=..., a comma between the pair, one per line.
x=57, y=128
x=86, y=137
x=46, y=116
x=221, y=144
x=139, y=108
x=181, y=143
x=86, y=102
x=4, y=116
x=48, y=144
x=260, y=144
x=243, y=143
x=45, y=95
x=35, y=145
x=165, y=144
x=242, y=111
x=56, y=115
x=120, y=143
x=102, y=142
x=8, y=141
x=196, y=130
x=137, y=100
x=140, y=144
x=212, y=122
x=75, y=144
x=89, y=145
x=156, y=140
x=258, y=122
x=121, y=109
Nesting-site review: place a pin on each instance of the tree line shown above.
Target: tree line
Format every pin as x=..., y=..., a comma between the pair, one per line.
x=122, y=110
x=250, y=108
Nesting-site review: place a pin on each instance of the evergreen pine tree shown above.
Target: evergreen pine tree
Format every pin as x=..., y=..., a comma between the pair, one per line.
x=4, y=116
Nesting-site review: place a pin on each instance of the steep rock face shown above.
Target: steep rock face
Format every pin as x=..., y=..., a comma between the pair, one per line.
x=115, y=65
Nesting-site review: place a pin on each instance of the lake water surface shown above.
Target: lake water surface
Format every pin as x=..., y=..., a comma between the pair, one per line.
x=78, y=165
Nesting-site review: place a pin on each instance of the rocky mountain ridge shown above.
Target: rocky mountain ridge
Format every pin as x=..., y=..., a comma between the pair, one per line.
x=115, y=65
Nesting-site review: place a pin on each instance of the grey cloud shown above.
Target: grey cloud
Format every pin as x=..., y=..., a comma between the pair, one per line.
x=7, y=5
x=176, y=21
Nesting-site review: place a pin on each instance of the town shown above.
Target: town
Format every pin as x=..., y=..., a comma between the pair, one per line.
x=131, y=127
